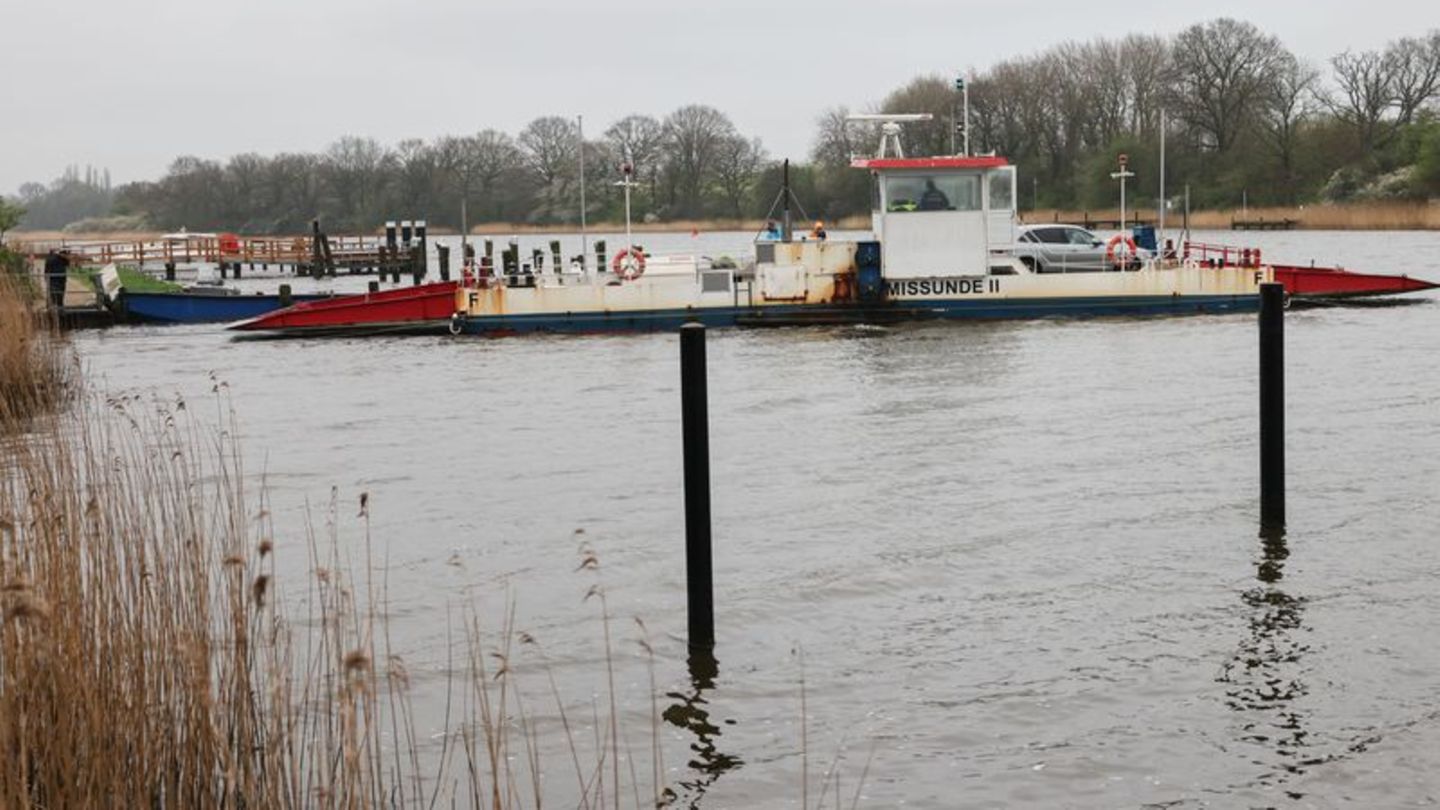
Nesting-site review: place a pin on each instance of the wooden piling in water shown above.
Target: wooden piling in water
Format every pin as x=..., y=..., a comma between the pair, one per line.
x=1272, y=407
x=286, y=299
x=695, y=427
x=444, y=256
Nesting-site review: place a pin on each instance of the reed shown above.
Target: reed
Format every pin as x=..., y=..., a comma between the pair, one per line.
x=161, y=647
x=35, y=376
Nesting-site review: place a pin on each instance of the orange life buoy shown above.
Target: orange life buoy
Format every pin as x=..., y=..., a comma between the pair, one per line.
x=628, y=264
x=1116, y=241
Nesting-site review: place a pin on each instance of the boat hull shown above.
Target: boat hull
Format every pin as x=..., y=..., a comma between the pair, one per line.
x=1326, y=282
x=423, y=309
x=198, y=307
x=843, y=314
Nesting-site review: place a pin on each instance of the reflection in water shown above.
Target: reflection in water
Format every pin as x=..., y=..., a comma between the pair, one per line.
x=691, y=712
x=1264, y=676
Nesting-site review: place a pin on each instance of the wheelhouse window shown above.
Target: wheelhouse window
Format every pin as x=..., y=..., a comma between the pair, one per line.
x=941, y=192
x=1001, y=198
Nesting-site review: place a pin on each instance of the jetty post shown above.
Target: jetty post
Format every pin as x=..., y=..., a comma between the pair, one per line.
x=444, y=256
x=1272, y=407
x=695, y=427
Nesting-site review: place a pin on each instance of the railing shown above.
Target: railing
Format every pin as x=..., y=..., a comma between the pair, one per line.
x=1221, y=255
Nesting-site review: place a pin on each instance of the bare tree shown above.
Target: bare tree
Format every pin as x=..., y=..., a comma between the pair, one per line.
x=1144, y=61
x=551, y=145
x=1414, y=68
x=694, y=136
x=737, y=164
x=1286, y=104
x=1217, y=75
x=835, y=140
x=354, y=169
x=1364, y=97
x=925, y=94
x=643, y=139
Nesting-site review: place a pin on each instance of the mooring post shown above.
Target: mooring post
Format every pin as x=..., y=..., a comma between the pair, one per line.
x=599, y=255
x=695, y=425
x=286, y=299
x=169, y=271
x=1272, y=407
x=373, y=286
x=444, y=251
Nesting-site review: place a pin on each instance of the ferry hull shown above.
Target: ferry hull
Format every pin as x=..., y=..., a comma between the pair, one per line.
x=852, y=314
x=1327, y=282
x=425, y=309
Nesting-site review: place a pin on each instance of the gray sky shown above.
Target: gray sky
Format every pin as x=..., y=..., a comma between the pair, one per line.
x=130, y=84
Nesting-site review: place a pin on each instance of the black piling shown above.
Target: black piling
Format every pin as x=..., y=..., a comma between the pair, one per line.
x=555, y=255
x=444, y=256
x=1272, y=407
x=169, y=271
x=373, y=286
x=695, y=425
x=286, y=299
x=237, y=266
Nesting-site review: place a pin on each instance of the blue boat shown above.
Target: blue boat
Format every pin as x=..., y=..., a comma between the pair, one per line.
x=202, y=307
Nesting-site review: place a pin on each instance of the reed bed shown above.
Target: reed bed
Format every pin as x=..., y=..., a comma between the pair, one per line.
x=148, y=657
x=35, y=376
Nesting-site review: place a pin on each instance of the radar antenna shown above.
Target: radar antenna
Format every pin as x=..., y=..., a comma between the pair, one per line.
x=890, y=128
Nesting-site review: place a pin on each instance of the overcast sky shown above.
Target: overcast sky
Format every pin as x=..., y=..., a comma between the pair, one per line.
x=130, y=84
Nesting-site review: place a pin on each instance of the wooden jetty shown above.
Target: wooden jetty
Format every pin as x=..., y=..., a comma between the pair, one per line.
x=399, y=251
x=1090, y=223
x=1263, y=224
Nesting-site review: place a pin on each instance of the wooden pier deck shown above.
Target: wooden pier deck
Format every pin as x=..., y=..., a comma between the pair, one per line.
x=315, y=254
x=1263, y=224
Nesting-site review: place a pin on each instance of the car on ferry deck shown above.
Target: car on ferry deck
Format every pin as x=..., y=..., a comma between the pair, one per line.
x=1066, y=249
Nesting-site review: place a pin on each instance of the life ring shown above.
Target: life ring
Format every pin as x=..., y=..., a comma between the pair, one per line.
x=1190, y=263
x=455, y=324
x=1116, y=241
x=628, y=264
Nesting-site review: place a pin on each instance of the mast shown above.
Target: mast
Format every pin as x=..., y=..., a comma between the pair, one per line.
x=787, y=232
x=584, y=238
x=1160, y=214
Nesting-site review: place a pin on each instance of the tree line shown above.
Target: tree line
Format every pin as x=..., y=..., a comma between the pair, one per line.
x=1244, y=118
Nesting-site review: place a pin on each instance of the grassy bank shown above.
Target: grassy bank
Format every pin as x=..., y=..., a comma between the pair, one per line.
x=1399, y=216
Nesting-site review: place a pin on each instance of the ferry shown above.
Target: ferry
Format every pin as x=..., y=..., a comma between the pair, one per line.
x=941, y=247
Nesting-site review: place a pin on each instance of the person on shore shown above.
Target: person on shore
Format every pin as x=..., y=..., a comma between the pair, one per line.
x=818, y=232
x=57, y=267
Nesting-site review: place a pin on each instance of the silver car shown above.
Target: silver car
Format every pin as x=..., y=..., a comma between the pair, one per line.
x=1066, y=249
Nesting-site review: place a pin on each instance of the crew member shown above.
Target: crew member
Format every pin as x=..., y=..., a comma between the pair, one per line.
x=57, y=266
x=818, y=232
x=772, y=231
x=933, y=199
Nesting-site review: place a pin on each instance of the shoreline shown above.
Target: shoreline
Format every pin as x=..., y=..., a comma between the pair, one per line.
x=1416, y=216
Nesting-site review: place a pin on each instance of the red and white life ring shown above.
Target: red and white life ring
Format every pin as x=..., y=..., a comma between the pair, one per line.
x=628, y=264
x=1131, y=250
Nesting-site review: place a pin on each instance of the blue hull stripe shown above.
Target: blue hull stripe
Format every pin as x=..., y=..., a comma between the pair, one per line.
x=824, y=314
x=186, y=308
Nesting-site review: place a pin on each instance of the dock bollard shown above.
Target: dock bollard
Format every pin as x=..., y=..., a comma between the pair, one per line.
x=695, y=426
x=444, y=251
x=169, y=271
x=373, y=287
x=286, y=299
x=1272, y=407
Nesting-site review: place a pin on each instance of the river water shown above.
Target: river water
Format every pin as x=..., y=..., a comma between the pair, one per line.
x=1019, y=560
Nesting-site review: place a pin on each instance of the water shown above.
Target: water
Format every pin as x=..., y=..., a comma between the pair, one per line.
x=1020, y=559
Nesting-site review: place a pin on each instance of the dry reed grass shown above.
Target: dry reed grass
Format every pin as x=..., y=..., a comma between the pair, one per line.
x=147, y=657
x=34, y=373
